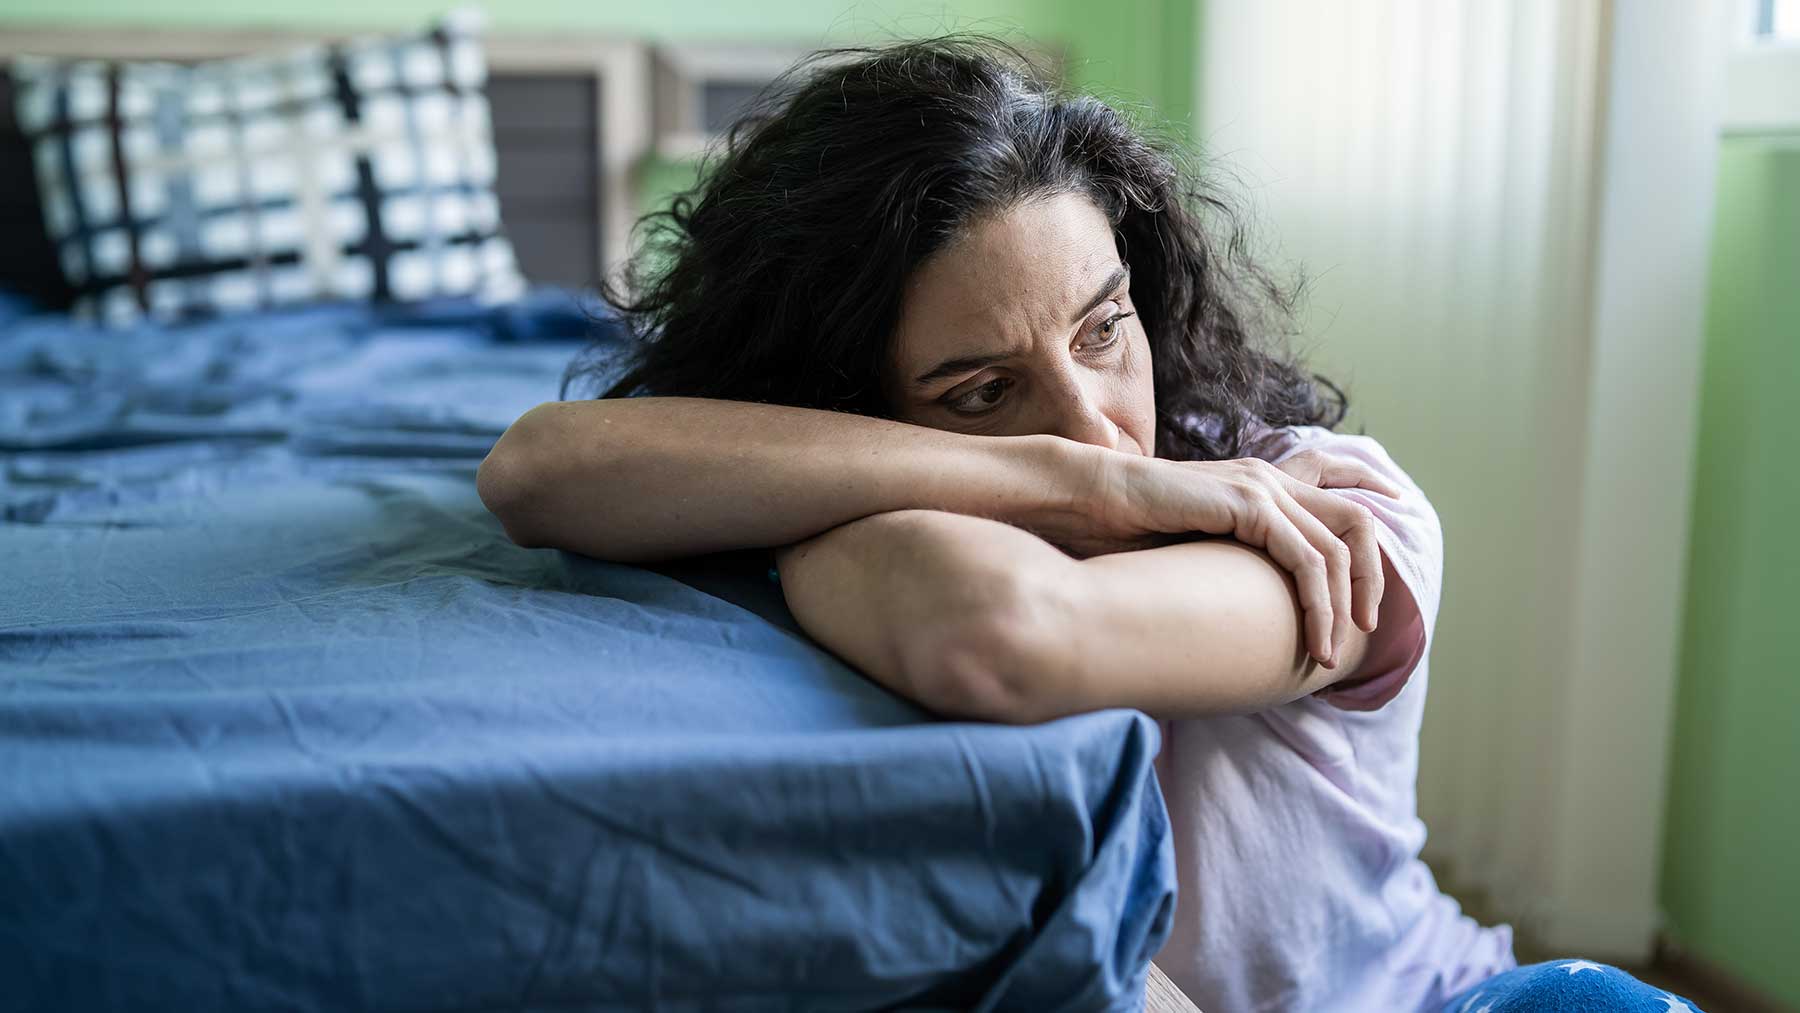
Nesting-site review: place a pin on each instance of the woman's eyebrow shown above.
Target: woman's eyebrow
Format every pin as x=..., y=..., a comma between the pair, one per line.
x=971, y=363
x=964, y=364
x=1113, y=281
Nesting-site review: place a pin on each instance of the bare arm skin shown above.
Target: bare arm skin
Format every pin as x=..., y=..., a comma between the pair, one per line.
x=641, y=479
x=975, y=619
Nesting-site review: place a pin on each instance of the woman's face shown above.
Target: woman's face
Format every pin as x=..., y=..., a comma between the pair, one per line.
x=1025, y=325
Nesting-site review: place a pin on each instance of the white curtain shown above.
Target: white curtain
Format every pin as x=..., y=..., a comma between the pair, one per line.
x=1432, y=165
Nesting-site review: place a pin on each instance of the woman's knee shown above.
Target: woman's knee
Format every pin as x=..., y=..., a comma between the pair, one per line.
x=1557, y=985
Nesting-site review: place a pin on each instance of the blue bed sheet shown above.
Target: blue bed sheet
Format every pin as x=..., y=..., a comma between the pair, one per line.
x=286, y=722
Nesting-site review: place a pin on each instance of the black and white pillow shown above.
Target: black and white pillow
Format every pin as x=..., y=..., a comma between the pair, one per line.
x=363, y=170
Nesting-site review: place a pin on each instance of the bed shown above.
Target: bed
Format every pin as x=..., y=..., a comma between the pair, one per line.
x=286, y=721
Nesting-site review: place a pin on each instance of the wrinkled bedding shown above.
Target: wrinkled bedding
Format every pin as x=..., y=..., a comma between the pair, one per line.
x=286, y=722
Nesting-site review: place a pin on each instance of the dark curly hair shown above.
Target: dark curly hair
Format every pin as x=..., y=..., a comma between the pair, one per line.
x=779, y=278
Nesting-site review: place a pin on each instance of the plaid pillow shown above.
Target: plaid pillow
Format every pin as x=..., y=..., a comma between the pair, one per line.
x=356, y=171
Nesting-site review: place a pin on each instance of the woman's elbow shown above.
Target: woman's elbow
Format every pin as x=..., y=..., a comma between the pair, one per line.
x=993, y=662
x=513, y=478
x=507, y=495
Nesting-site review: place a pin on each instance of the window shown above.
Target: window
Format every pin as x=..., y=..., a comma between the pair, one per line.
x=1762, y=77
x=1777, y=19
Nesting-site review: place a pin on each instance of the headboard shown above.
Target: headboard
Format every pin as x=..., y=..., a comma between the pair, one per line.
x=572, y=122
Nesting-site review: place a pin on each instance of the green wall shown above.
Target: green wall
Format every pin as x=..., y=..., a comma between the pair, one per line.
x=1135, y=50
x=1731, y=881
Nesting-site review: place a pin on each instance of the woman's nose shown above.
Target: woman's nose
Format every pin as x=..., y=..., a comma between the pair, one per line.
x=1086, y=422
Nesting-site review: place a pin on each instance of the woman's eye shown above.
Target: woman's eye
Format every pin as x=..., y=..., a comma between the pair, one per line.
x=982, y=399
x=1106, y=331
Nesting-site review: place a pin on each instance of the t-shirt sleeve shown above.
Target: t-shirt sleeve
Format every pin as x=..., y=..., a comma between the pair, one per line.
x=1412, y=543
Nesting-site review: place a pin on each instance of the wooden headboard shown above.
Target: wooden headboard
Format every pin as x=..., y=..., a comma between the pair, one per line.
x=572, y=122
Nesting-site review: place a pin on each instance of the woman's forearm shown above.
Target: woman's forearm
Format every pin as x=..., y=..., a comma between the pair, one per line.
x=980, y=620
x=640, y=479
x=1200, y=628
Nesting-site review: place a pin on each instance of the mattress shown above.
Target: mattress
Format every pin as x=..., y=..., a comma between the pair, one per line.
x=286, y=721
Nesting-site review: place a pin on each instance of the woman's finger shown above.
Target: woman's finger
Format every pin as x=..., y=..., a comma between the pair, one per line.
x=1330, y=471
x=1337, y=567
x=1354, y=527
x=1263, y=524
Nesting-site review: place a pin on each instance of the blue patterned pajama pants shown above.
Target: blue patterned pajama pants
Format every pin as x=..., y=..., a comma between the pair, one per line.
x=1566, y=986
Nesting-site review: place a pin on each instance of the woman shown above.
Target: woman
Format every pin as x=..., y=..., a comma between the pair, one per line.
x=970, y=357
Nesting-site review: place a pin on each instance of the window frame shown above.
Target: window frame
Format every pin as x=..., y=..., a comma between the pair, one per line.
x=1762, y=89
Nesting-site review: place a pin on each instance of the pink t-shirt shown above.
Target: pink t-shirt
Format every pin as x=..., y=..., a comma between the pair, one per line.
x=1297, y=833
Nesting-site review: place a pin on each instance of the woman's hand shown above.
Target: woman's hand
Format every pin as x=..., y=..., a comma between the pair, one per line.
x=1326, y=542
